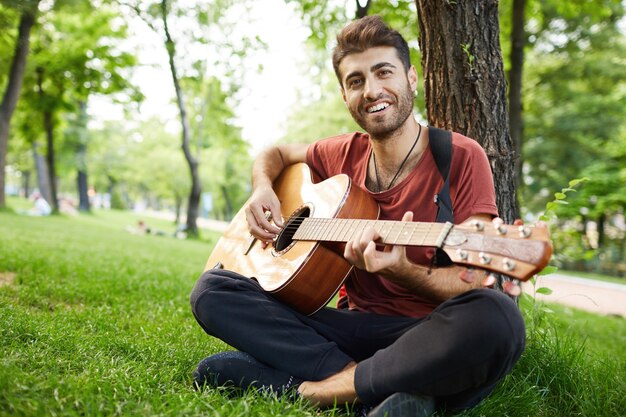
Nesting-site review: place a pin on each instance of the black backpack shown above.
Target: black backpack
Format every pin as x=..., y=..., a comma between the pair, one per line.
x=441, y=148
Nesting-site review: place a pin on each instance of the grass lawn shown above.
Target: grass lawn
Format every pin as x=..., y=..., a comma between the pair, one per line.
x=96, y=321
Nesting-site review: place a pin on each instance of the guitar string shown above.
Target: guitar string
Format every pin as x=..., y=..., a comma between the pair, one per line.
x=395, y=226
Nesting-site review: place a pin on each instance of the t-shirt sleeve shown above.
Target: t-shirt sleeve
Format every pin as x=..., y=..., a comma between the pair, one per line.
x=331, y=156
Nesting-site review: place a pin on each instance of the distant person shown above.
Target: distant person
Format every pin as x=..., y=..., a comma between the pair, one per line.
x=142, y=228
x=41, y=206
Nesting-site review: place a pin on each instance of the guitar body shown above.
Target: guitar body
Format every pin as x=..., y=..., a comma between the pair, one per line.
x=303, y=274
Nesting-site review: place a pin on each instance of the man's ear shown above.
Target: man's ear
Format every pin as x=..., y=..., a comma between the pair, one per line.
x=413, y=78
x=343, y=95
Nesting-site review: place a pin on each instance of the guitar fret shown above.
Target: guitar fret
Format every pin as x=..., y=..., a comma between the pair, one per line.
x=330, y=231
x=320, y=229
x=345, y=228
x=314, y=233
x=410, y=239
x=399, y=226
x=402, y=233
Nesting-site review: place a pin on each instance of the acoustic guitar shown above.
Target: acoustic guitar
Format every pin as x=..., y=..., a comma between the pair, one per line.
x=304, y=267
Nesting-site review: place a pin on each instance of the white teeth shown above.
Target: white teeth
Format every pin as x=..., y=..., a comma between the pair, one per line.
x=378, y=107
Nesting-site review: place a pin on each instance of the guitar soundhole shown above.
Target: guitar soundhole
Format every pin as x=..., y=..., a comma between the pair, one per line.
x=285, y=238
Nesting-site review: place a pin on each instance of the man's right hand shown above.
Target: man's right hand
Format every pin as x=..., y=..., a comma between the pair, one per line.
x=263, y=214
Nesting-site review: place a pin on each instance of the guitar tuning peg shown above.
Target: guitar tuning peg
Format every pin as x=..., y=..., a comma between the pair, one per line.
x=467, y=275
x=512, y=288
x=489, y=281
x=478, y=225
x=524, y=231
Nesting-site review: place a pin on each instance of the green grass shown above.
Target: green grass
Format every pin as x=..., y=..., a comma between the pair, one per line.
x=96, y=321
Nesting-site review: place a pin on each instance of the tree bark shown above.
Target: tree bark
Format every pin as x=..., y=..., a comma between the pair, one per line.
x=26, y=182
x=42, y=174
x=516, y=122
x=82, y=178
x=178, y=203
x=228, y=205
x=82, y=182
x=48, y=125
x=14, y=86
x=196, y=188
x=464, y=83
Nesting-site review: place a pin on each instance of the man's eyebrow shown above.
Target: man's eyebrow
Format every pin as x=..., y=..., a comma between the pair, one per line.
x=353, y=74
x=372, y=69
x=381, y=65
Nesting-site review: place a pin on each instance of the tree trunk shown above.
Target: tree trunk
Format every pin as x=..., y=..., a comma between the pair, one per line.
x=14, y=86
x=516, y=122
x=42, y=174
x=178, y=201
x=361, y=11
x=50, y=157
x=464, y=83
x=82, y=179
x=26, y=182
x=601, y=222
x=196, y=188
x=229, y=207
x=48, y=125
x=83, y=195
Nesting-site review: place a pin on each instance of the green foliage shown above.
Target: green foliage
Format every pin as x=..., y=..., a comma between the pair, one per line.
x=575, y=100
x=325, y=117
x=560, y=199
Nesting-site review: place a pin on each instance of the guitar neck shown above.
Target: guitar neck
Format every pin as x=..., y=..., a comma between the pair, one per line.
x=391, y=232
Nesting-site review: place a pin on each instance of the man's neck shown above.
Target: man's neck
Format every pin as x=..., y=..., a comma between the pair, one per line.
x=391, y=150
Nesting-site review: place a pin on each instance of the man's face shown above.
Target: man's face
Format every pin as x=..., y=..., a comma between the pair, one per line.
x=377, y=90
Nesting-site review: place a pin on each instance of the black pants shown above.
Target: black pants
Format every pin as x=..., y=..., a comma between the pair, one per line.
x=457, y=354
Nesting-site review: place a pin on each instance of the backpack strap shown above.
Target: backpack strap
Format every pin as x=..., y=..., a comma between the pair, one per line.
x=441, y=148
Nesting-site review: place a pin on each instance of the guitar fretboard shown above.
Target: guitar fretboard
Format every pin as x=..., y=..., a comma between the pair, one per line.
x=391, y=232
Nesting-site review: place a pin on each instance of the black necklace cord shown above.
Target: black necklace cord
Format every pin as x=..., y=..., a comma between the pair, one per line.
x=406, y=158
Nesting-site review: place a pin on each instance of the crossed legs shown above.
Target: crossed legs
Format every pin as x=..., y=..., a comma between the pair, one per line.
x=457, y=354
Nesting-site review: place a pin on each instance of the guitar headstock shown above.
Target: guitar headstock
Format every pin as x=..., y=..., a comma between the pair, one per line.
x=516, y=251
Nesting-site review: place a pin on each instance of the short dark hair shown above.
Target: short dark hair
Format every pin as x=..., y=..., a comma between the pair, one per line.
x=368, y=32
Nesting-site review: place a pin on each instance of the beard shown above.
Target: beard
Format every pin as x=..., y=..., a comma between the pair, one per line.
x=386, y=125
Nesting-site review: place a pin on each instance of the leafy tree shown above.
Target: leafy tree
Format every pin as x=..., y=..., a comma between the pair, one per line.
x=74, y=56
x=218, y=143
x=530, y=25
x=576, y=107
x=28, y=15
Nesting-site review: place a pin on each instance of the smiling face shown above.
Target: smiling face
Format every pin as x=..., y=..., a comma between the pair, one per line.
x=377, y=90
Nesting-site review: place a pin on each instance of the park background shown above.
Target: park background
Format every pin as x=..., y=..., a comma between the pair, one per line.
x=94, y=319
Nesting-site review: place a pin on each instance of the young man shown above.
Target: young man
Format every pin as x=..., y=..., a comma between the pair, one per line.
x=414, y=335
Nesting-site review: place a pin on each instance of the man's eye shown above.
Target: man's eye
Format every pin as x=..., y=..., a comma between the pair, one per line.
x=354, y=83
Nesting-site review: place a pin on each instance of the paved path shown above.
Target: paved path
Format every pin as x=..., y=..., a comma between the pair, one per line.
x=586, y=294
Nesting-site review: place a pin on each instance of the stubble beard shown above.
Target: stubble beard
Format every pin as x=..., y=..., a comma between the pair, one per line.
x=382, y=130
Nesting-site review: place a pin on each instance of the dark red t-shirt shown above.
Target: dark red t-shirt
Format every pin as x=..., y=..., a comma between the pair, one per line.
x=471, y=190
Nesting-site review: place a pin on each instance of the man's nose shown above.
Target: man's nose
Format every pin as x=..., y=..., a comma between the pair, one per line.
x=373, y=89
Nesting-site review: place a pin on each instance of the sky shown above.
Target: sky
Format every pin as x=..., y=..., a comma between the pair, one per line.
x=273, y=91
